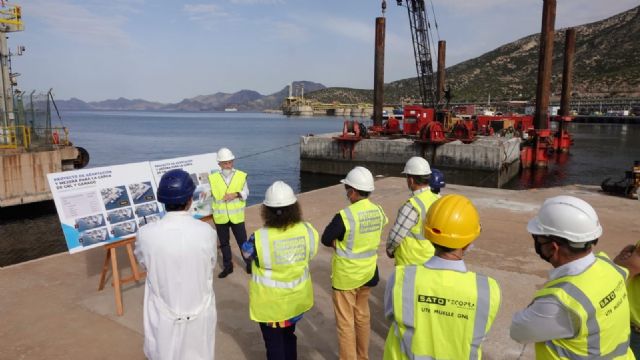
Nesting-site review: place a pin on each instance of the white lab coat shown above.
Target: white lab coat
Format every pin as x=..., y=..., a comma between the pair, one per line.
x=179, y=254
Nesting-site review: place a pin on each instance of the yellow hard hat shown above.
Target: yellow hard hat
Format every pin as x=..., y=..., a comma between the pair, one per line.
x=452, y=221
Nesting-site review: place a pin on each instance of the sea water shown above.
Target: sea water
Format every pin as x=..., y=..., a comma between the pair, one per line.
x=267, y=147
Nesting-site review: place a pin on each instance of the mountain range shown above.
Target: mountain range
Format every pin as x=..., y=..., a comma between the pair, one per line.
x=606, y=64
x=243, y=100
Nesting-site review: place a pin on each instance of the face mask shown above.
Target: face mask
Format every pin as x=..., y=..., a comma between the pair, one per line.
x=348, y=194
x=538, y=248
x=226, y=172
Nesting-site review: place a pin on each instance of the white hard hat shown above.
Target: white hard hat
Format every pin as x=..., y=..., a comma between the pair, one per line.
x=279, y=194
x=225, y=154
x=567, y=217
x=417, y=166
x=359, y=178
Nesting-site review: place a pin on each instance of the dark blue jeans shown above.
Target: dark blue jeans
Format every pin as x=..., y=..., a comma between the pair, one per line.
x=239, y=232
x=634, y=343
x=280, y=342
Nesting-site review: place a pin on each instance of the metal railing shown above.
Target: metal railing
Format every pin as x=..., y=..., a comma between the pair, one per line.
x=11, y=16
x=12, y=137
x=21, y=136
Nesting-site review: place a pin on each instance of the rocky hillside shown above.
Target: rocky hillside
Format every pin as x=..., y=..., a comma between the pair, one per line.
x=607, y=63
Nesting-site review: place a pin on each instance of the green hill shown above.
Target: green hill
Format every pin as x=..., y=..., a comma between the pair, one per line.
x=607, y=64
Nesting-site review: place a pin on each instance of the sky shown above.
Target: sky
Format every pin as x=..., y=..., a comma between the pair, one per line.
x=170, y=50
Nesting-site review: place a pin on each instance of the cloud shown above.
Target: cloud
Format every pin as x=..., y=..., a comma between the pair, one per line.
x=478, y=7
x=205, y=14
x=80, y=23
x=250, y=2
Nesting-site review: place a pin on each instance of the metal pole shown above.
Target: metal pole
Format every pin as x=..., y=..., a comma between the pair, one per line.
x=544, y=65
x=6, y=105
x=442, y=53
x=567, y=71
x=378, y=72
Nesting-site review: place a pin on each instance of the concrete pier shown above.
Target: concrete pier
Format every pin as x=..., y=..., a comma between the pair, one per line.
x=51, y=309
x=489, y=161
x=23, y=178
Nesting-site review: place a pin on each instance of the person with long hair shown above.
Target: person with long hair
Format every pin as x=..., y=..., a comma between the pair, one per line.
x=280, y=289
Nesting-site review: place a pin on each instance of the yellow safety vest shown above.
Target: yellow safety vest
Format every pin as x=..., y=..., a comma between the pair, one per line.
x=280, y=288
x=633, y=290
x=599, y=298
x=225, y=211
x=415, y=248
x=440, y=314
x=354, y=262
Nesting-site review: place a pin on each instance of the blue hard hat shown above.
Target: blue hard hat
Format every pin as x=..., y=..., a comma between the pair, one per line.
x=436, y=181
x=176, y=187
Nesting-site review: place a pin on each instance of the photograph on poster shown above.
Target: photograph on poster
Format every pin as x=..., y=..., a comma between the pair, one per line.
x=141, y=192
x=89, y=222
x=142, y=221
x=94, y=236
x=124, y=229
x=120, y=215
x=147, y=209
x=115, y=197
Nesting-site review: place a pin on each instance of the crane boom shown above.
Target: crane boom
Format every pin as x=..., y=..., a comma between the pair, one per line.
x=419, y=23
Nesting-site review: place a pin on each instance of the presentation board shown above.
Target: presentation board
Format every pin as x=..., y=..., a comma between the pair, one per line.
x=199, y=167
x=101, y=205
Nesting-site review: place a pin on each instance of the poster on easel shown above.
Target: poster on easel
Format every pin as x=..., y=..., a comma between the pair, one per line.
x=199, y=167
x=102, y=205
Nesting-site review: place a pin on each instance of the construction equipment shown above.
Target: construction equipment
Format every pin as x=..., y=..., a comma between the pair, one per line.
x=352, y=132
x=629, y=186
x=430, y=121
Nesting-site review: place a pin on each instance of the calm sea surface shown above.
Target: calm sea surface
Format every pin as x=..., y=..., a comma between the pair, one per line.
x=266, y=146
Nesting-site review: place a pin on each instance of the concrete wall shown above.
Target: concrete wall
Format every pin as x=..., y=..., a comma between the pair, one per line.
x=486, y=153
x=23, y=178
x=489, y=161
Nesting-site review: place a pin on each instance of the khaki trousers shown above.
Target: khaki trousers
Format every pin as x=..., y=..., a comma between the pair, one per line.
x=351, y=308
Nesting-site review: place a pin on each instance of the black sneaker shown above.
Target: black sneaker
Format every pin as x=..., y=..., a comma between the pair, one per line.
x=248, y=268
x=225, y=273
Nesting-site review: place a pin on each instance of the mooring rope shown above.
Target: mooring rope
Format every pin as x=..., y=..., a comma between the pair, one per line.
x=267, y=151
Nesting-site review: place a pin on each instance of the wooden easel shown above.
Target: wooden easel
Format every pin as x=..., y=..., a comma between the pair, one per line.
x=117, y=281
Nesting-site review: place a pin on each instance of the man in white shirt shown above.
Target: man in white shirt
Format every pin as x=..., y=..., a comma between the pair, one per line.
x=179, y=254
x=583, y=310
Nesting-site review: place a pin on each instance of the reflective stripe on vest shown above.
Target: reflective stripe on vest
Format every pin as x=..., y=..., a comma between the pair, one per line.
x=347, y=251
x=280, y=288
x=227, y=211
x=354, y=262
x=591, y=336
x=415, y=248
x=405, y=324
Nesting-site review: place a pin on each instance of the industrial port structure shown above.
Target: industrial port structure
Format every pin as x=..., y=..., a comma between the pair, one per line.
x=30, y=147
x=432, y=130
